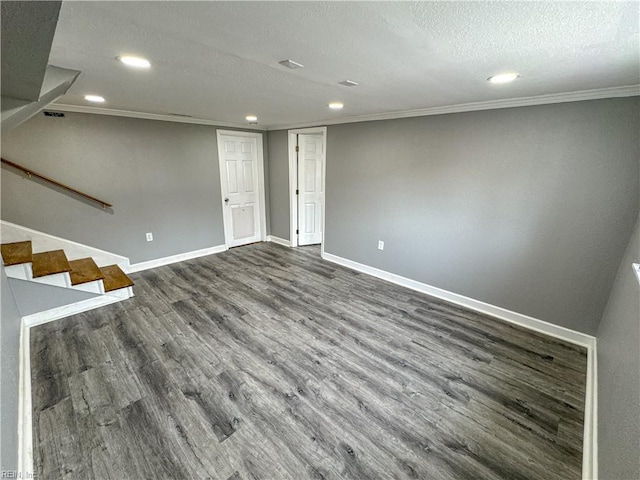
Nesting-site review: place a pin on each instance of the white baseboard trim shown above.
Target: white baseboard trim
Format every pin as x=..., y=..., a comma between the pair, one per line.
x=278, y=240
x=590, y=437
x=25, y=420
x=25, y=433
x=78, y=307
x=531, y=323
x=159, y=262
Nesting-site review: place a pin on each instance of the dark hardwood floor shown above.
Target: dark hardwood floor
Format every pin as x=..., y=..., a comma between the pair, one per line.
x=266, y=362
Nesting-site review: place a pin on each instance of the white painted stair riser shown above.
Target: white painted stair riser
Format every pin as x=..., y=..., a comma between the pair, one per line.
x=21, y=272
x=24, y=271
x=96, y=286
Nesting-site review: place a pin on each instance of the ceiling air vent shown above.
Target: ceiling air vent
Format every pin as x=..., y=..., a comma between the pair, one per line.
x=53, y=114
x=291, y=64
x=348, y=83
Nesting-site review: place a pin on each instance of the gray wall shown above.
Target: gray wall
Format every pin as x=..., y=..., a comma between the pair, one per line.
x=34, y=297
x=162, y=177
x=279, y=183
x=526, y=208
x=619, y=373
x=27, y=34
x=9, y=376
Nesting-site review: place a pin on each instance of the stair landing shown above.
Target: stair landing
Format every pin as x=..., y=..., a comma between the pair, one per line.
x=49, y=263
x=84, y=270
x=16, y=253
x=115, y=278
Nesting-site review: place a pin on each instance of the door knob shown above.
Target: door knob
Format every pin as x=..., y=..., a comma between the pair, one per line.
x=226, y=200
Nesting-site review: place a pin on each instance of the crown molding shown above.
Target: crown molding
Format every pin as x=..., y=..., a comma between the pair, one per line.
x=149, y=116
x=600, y=93
x=595, y=94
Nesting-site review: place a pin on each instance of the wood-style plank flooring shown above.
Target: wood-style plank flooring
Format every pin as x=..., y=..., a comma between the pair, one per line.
x=266, y=362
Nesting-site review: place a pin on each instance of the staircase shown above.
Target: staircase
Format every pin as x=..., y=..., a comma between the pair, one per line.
x=53, y=268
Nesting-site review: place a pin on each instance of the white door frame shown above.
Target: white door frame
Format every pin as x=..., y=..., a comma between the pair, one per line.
x=293, y=178
x=226, y=217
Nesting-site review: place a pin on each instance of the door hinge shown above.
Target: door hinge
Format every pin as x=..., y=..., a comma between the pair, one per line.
x=297, y=232
x=297, y=148
x=297, y=192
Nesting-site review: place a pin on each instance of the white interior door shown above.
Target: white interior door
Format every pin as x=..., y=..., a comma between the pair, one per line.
x=310, y=188
x=241, y=192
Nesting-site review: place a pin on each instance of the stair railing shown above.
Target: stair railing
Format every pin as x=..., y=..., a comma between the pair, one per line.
x=30, y=173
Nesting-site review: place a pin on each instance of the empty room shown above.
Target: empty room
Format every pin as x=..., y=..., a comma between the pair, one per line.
x=320, y=240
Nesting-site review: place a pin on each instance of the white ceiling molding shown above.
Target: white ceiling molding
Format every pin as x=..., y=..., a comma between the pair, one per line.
x=150, y=116
x=596, y=94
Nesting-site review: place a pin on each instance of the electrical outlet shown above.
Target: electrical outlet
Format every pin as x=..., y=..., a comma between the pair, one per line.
x=149, y=237
x=380, y=245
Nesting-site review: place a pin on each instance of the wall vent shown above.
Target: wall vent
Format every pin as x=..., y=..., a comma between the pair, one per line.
x=290, y=64
x=53, y=114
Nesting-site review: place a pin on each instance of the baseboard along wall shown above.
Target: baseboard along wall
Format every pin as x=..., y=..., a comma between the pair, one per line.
x=590, y=444
x=181, y=257
x=278, y=240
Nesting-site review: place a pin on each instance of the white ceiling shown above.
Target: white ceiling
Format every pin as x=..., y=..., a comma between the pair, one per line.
x=219, y=60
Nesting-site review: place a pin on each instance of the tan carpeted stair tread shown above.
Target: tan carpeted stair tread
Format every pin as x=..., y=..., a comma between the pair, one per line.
x=16, y=253
x=84, y=270
x=48, y=263
x=115, y=278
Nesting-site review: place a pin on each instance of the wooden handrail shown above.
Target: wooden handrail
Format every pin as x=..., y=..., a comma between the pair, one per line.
x=31, y=173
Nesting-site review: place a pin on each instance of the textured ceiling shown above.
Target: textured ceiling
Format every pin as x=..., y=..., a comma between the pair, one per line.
x=219, y=60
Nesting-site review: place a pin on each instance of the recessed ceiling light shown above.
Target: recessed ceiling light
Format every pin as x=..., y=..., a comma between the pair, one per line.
x=348, y=83
x=251, y=118
x=94, y=98
x=503, y=78
x=290, y=64
x=132, y=61
x=336, y=105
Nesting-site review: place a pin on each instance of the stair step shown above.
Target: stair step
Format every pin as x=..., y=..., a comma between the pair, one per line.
x=115, y=278
x=49, y=263
x=84, y=270
x=16, y=253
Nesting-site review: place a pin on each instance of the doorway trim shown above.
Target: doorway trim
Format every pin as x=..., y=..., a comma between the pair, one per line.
x=293, y=177
x=226, y=219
